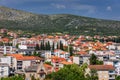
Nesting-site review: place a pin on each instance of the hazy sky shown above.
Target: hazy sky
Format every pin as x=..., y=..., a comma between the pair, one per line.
x=106, y=9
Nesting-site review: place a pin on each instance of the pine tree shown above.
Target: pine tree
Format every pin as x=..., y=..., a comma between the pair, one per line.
x=61, y=45
x=53, y=46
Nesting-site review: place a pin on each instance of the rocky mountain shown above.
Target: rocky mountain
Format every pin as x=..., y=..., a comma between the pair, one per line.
x=66, y=23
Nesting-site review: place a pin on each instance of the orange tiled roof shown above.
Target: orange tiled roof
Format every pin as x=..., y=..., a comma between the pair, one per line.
x=66, y=63
x=101, y=67
x=5, y=40
x=47, y=66
x=63, y=52
x=21, y=57
x=15, y=55
x=27, y=58
x=57, y=59
x=109, y=43
x=50, y=37
x=82, y=52
x=56, y=50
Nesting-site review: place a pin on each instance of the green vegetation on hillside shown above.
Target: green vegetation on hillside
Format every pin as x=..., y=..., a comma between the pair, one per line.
x=64, y=23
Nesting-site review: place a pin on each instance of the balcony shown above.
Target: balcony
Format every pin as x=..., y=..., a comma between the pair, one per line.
x=112, y=78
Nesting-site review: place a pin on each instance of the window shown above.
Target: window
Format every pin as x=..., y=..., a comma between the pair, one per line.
x=2, y=66
x=110, y=75
x=2, y=72
x=111, y=71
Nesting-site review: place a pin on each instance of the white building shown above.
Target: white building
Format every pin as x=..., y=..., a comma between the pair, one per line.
x=61, y=54
x=7, y=59
x=7, y=49
x=4, y=70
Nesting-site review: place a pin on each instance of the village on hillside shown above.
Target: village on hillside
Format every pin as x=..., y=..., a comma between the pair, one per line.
x=41, y=55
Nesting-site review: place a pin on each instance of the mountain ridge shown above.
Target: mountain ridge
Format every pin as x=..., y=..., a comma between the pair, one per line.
x=73, y=24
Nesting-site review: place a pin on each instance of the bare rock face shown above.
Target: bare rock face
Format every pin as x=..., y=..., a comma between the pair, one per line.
x=13, y=14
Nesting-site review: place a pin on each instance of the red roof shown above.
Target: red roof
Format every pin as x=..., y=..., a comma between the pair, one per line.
x=101, y=67
x=5, y=40
x=57, y=59
x=82, y=52
x=48, y=66
x=21, y=57
x=31, y=45
x=66, y=63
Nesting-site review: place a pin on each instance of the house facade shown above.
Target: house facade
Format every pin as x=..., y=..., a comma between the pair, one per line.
x=104, y=72
x=4, y=70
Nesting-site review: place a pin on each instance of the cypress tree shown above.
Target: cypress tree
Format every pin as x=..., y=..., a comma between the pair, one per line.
x=37, y=47
x=53, y=46
x=41, y=47
x=57, y=46
x=48, y=45
x=71, y=51
x=61, y=45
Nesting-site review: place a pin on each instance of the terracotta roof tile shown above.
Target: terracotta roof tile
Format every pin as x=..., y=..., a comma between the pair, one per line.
x=47, y=66
x=21, y=57
x=101, y=67
x=66, y=63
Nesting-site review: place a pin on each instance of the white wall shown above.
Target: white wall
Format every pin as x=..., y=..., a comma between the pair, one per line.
x=7, y=59
x=4, y=71
x=76, y=60
x=22, y=47
x=26, y=64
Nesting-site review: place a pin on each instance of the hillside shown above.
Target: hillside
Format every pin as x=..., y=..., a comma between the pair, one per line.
x=16, y=19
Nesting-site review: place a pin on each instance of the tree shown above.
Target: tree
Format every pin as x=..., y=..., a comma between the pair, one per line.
x=117, y=78
x=61, y=46
x=71, y=50
x=49, y=63
x=58, y=46
x=53, y=46
x=94, y=75
x=1, y=43
x=37, y=47
x=17, y=77
x=48, y=44
x=33, y=77
x=42, y=46
x=36, y=54
x=69, y=72
x=94, y=60
x=17, y=46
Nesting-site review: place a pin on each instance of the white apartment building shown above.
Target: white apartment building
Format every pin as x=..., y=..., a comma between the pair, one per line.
x=4, y=70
